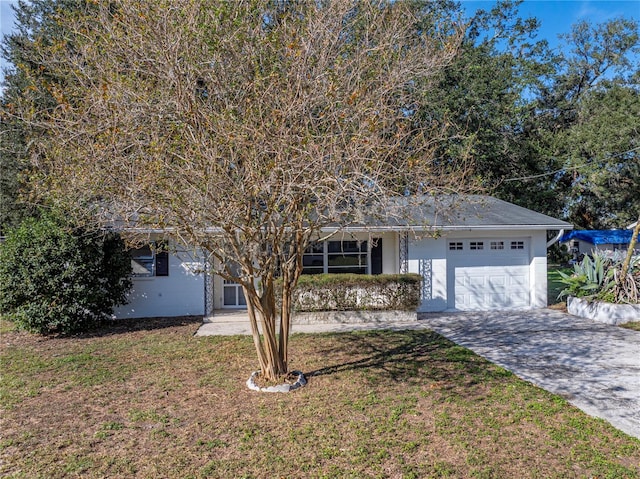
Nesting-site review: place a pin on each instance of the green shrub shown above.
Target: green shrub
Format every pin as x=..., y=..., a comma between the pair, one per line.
x=589, y=277
x=59, y=279
x=599, y=278
x=558, y=253
x=349, y=292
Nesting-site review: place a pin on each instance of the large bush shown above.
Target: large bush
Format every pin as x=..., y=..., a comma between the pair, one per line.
x=58, y=279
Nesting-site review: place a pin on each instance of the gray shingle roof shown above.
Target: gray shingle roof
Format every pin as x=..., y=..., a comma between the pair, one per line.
x=464, y=212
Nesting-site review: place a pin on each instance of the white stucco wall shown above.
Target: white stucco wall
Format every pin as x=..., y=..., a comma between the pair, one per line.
x=428, y=258
x=179, y=294
x=538, y=279
x=390, y=252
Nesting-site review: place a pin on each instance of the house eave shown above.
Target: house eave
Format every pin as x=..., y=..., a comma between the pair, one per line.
x=427, y=228
x=508, y=227
x=382, y=229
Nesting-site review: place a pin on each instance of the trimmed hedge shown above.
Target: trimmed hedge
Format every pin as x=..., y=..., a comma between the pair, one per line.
x=357, y=292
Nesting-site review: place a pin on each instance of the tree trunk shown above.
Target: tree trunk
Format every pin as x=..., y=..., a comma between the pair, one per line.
x=271, y=349
x=632, y=245
x=285, y=321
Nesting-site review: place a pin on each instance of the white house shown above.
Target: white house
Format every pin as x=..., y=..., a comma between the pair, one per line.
x=581, y=242
x=473, y=252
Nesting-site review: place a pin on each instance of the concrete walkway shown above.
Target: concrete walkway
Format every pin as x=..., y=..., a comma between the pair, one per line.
x=596, y=367
x=230, y=322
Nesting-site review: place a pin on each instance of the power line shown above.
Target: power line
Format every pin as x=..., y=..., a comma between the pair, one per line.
x=569, y=168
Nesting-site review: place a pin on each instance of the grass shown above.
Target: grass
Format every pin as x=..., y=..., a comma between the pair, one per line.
x=633, y=325
x=554, y=286
x=151, y=400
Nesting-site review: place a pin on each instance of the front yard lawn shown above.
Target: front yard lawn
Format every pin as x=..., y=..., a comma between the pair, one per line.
x=151, y=400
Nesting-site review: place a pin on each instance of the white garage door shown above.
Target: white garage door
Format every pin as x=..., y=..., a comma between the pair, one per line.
x=486, y=274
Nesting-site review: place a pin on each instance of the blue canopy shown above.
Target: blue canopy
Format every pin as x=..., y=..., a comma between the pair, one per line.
x=599, y=236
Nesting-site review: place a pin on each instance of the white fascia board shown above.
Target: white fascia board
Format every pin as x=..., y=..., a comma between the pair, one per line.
x=507, y=227
x=400, y=229
x=164, y=230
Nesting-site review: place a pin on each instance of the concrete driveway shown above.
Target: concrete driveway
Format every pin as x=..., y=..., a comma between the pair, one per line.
x=596, y=367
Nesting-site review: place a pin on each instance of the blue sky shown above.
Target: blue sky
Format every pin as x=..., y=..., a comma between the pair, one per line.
x=556, y=16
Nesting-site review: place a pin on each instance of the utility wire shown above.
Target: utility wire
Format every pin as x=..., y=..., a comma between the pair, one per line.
x=569, y=168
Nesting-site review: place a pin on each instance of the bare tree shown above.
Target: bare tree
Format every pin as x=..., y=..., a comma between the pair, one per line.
x=242, y=127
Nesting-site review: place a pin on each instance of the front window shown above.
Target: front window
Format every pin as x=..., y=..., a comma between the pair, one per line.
x=313, y=259
x=347, y=257
x=337, y=257
x=150, y=260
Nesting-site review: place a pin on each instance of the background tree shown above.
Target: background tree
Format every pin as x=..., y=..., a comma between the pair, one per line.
x=552, y=132
x=603, y=153
x=56, y=279
x=486, y=96
x=36, y=24
x=244, y=127
x=588, y=115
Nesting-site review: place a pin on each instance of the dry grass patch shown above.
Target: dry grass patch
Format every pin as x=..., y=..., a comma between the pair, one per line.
x=633, y=325
x=149, y=400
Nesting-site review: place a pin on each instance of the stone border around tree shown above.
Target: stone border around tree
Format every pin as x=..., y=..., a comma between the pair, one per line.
x=602, y=312
x=280, y=388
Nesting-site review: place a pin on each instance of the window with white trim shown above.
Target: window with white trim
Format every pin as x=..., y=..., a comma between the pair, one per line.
x=313, y=259
x=150, y=260
x=347, y=257
x=336, y=257
x=455, y=246
x=476, y=245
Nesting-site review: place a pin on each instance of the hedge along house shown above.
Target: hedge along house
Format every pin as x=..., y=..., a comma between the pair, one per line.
x=474, y=253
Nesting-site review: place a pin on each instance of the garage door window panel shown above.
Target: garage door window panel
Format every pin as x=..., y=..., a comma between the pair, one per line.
x=497, y=245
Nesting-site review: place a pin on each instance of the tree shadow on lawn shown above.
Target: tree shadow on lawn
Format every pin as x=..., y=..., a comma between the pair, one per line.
x=12, y=335
x=406, y=356
x=129, y=325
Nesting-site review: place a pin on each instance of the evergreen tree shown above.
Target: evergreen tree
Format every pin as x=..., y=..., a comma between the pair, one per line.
x=36, y=23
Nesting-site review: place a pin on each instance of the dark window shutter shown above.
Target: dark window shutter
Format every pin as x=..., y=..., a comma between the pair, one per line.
x=376, y=256
x=162, y=263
